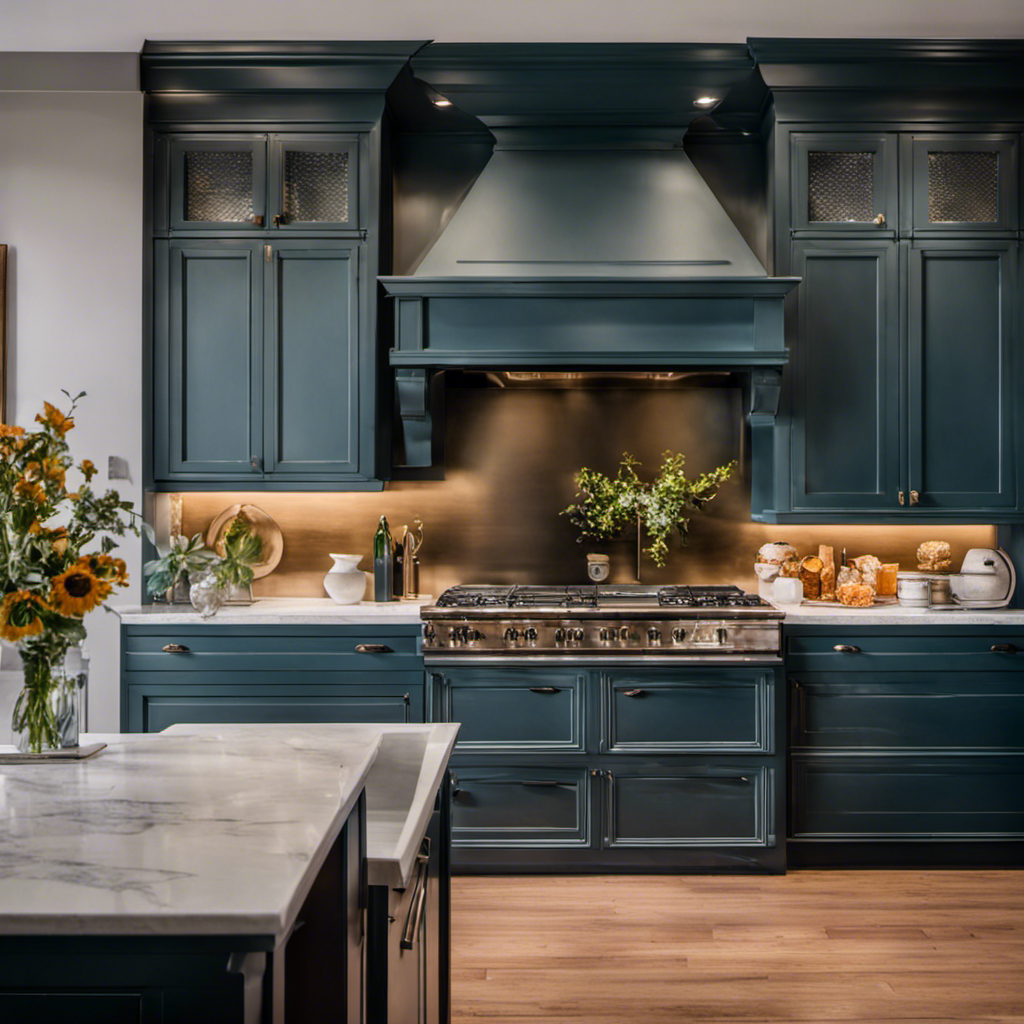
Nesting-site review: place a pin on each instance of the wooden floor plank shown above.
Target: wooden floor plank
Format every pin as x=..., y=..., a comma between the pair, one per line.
x=886, y=947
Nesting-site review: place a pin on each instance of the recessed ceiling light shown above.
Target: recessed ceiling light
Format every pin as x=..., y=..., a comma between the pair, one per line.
x=440, y=101
x=705, y=101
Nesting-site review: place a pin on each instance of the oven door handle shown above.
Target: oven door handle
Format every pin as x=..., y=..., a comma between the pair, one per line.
x=544, y=689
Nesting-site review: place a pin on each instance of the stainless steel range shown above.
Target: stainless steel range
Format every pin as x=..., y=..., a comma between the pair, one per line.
x=705, y=622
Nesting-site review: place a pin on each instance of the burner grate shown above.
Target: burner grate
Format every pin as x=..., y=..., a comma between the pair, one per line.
x=708, y=597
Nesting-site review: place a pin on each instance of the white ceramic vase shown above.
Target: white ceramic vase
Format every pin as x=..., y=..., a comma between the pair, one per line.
x=345, y=583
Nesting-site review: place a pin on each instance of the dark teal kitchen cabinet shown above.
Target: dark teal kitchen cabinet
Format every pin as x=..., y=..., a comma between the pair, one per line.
x=845, y=417
x=279, y=182
x=962, y=387
x=257, y=361
x=614, y=768
x=905, y=740
x=897, y=403
x=200, y=673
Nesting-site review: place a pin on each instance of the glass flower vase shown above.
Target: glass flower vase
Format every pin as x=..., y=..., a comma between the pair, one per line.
x=49, y=710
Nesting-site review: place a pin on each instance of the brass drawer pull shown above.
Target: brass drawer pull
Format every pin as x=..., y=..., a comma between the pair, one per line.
x=544, y=689
x=177, y=649
x=1003, y=649
x=633, y=693
x=373, y=649
x=542, y=782
x=846, y=649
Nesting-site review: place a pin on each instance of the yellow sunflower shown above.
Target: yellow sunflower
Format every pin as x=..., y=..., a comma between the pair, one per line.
x=19, y=615
x=51, y=416
x=106, y=568
x=77, y=590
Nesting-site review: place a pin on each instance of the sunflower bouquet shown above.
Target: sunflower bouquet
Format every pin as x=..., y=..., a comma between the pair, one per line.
x=55, y=562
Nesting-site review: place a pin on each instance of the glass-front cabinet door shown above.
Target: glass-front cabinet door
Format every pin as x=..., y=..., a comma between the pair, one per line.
x=218, y=182
x=844, y=182
x=961, y=183
x=314, y=182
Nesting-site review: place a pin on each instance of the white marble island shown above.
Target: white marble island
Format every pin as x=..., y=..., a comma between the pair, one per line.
x=174, y=871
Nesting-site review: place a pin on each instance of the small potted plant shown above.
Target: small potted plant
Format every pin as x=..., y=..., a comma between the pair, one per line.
x=183, y=560
x=606, y=506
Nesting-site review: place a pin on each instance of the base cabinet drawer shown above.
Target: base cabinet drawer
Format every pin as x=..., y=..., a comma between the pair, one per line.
x=700, y=806
x=684, y=712
x=527, y=807
x=501, y=711
x=907, y=798
x=915, y=710
x=154, y=708
x=855, y=651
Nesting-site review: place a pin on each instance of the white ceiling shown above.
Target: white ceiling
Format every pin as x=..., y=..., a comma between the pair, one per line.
x=124, y=24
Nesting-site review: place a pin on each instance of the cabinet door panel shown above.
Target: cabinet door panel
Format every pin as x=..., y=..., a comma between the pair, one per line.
x=314, y=182
x=152, y=708
x=846, y=370
x=209, y=359
x=312, y=396
x=682, y=712
x=844, y=183
x=899, y=798
x=961, y=183
x=702, y=806
x=961, y=324
x=218, y=182
x=532, y=806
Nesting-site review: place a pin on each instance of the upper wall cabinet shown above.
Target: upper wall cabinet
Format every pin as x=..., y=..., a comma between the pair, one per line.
x=268, y=202
x=896, y=198
x=961, y=183
x=251, y=183
x=843, y=183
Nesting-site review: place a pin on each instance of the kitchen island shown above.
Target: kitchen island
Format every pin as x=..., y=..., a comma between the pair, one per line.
x=213, y=875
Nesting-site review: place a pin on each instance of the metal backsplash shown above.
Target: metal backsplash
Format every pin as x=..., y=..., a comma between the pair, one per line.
x=511, y=457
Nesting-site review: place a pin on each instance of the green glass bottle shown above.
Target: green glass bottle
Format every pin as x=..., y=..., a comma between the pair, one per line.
x=383, y=563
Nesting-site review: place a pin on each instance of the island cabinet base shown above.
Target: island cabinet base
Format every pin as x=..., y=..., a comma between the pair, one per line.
x=316, y=974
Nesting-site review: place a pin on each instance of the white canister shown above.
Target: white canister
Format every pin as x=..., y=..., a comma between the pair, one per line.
x=345, y=583
x=766, y=574
x=787, y=590
x=914, y=589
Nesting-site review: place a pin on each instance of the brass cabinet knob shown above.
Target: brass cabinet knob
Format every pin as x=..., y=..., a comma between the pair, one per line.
x=373, y=649
x=176, y=649
x=903, y=498
x=880, y=220
x=278, y=219
x=846, y=649
x=915, y=497
x=257, y=219
x=1003, y=649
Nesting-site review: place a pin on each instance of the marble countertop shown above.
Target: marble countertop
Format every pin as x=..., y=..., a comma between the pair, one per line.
x=281, y=611
x=219, y=833
x=897, y=615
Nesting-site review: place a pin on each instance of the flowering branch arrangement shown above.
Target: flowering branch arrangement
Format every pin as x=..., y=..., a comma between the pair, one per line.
x=606, y=506
x=51, y=574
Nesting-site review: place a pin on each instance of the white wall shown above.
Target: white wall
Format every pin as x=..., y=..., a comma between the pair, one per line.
x=71, y=213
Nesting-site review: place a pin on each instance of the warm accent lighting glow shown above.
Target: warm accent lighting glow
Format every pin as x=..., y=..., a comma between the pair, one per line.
x=440, y=101
x=705, y=101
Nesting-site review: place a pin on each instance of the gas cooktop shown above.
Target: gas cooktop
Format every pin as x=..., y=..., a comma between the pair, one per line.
x=631, y=596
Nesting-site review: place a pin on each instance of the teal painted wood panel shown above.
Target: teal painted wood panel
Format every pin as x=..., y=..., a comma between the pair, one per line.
x=314, y=182
x=213, y=373
x=907, y=798
x=686, y=712
x=962, y=330
x=528, y=806
x=218, y=182
x=843, y=181
x=312, y=359
x=904, y=711
x=511, y=710
x=845, y=417
x=700, y=805
x=957, y=183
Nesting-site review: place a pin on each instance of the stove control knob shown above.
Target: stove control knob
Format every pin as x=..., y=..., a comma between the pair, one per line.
x=654, y=635
x=453, y=636
x=721, y=635
x=530, y=635
x=428, y=633
x=678, y=634
x=469, y=634
x=624, y=634
x=606, y=635
x=576, y=634
x=559, y=636
x=511, y=635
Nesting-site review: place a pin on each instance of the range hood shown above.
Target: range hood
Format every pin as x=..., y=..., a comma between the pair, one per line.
x=589, y=240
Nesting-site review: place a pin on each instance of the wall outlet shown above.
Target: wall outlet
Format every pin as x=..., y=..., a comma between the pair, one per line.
x=117, y=468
